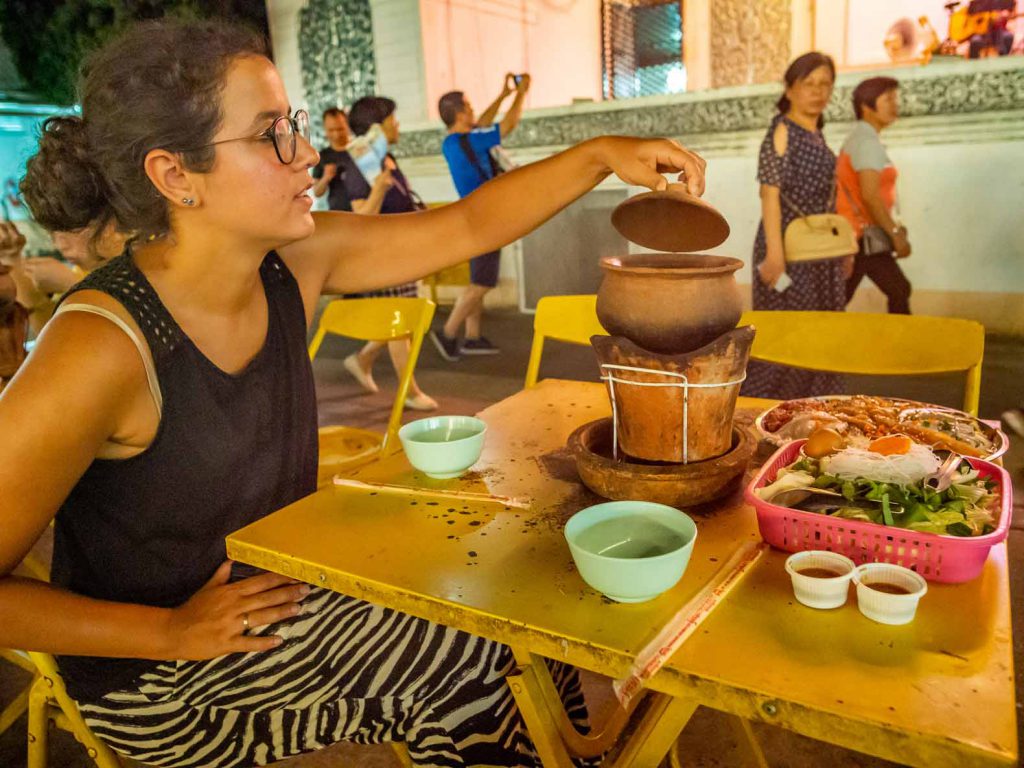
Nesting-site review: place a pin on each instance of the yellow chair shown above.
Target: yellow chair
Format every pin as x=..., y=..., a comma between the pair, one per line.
x=16, y=708
x=457, y=275
x=34, y=568
x=379, y=319
x=880, y=345
x=49, y=702
x=572, y=319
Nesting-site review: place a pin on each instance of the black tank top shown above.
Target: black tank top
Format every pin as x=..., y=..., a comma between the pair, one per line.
x=229, y=450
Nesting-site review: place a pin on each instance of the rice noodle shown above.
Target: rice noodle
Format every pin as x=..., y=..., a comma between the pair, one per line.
x=905, y=469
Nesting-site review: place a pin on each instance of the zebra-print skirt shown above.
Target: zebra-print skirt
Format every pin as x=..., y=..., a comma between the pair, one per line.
x=348, y=670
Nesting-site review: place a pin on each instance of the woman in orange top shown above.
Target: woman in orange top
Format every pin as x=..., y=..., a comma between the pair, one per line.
x=867, y=194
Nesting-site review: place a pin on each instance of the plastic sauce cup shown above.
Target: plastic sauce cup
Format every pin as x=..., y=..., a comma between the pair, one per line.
x=820, y=579
x=887, y=593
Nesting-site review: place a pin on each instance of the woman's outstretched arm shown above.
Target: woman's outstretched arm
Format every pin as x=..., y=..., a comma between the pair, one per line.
x=360, y=253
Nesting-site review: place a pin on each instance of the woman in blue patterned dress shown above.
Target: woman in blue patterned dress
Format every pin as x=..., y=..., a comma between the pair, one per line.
x=796, y=170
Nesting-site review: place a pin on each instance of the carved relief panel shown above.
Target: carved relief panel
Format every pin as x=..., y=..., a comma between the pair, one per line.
x=749, y=41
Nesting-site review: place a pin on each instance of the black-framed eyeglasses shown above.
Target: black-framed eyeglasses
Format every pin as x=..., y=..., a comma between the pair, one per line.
x=282, y=132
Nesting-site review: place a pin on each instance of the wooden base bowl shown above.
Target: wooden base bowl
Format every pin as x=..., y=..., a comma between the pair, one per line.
x=678, y=485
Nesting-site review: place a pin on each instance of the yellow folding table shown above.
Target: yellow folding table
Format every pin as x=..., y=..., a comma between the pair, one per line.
x=485, y=554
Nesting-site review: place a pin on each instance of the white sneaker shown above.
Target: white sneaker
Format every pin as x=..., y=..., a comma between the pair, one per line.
x=421, y=402
x=365, y=378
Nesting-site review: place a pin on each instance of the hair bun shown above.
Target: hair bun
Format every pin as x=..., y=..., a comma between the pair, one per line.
x=63, y=187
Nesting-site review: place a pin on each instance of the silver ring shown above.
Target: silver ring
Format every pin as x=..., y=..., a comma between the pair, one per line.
x=245, y=623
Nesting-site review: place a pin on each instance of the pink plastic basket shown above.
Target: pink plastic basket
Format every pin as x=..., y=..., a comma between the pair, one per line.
x=936, y=557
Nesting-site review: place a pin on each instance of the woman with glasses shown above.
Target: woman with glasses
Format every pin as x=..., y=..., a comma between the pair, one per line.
x=797, y=173
x=170, y=402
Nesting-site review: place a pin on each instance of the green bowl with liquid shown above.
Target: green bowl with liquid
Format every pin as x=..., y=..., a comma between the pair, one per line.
x=631, y=551
x=443, y=447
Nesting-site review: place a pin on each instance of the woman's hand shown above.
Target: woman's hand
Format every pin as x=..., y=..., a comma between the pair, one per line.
x=772, y=268
x=11, y=242
x=848, y=263
x=216, y=619
x=901, y=244
x=643, y=161
x=385, y=179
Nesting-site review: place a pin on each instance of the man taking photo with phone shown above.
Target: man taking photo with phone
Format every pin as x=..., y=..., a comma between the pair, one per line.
x=473, y=151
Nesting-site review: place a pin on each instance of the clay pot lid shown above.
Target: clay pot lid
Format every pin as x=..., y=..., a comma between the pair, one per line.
x=671, y=220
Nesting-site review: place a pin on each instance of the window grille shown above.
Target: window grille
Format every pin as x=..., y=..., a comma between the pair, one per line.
x=642, y=43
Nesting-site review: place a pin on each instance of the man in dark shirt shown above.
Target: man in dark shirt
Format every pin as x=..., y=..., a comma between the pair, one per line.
x=334, y=161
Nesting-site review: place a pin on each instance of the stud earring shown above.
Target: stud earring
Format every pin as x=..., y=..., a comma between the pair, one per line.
x=188, y=201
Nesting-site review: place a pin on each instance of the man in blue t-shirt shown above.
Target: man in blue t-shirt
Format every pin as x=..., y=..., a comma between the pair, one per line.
x=473, y=151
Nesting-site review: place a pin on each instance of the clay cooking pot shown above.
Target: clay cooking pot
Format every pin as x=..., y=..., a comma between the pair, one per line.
x=669, y=302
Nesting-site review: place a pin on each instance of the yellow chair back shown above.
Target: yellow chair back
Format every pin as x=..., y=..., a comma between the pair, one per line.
x=881, y=345
x=380, y=319
x=572, y=319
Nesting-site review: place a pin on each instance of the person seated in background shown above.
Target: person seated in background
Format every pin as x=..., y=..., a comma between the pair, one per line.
x=8, y=290
x=13, y=317
x=41, y=280
x=87, y=237
x=83, y=250
x=867, y=195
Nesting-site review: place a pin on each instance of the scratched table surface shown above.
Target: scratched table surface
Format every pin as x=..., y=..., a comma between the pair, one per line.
x=936, y=692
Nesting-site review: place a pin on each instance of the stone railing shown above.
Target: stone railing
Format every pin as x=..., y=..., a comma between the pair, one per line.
x=955, y=88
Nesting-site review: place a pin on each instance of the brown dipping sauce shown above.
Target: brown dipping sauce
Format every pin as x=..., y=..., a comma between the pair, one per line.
x=819, y=573
x=891, y=589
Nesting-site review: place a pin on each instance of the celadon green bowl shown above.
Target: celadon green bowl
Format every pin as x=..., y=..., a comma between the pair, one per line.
x=631, y=551
x=443, y=447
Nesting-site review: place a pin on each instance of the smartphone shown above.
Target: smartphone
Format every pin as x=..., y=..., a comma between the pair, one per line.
x=783, y=283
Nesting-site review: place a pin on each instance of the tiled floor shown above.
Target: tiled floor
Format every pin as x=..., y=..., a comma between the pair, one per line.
x=472, y=384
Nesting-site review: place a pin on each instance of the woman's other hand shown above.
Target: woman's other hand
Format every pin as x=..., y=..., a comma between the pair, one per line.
x=643, y=161
x=216, y=620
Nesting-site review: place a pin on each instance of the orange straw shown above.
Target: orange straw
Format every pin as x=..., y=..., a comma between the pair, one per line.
x=687, y=619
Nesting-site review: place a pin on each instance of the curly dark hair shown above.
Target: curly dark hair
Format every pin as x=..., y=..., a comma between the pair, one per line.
x=157, y=86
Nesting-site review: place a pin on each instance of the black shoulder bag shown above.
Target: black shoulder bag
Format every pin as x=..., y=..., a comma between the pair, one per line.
x=467, y=148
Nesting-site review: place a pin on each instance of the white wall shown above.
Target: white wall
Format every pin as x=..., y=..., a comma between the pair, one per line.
x=398, y=51
x=283, y=17
x=469, y=45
